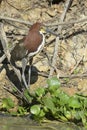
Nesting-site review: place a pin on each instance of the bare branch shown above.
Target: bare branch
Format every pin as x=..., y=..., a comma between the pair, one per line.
x=47, y=25
x=6, y=50
x=55, y=55
x=15, y=20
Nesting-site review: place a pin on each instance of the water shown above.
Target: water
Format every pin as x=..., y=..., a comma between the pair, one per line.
x=18, y=123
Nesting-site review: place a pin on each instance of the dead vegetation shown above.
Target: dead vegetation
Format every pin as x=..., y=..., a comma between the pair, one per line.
x=66, y=42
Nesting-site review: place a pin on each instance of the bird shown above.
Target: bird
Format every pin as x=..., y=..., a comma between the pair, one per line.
x=33, y=43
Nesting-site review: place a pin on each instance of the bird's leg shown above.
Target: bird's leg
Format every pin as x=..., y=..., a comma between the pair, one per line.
x=24, y=64
x=29, y=75
x=29, y=72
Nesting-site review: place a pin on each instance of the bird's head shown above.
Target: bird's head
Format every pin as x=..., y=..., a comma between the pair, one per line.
x=38, y=27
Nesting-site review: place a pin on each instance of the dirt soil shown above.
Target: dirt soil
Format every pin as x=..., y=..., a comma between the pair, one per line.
x=71, y=62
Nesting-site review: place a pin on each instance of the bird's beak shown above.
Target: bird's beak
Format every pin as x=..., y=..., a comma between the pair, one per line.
x=43, y=30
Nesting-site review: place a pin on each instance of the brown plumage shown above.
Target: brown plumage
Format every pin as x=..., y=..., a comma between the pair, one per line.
x=30, y=44
x=33, y=43
x=34, y=38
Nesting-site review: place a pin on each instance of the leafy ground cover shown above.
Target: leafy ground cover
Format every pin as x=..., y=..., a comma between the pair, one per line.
x=50, y=103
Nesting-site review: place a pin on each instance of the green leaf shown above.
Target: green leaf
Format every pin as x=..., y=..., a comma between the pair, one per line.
x=27, y=95
x=48, y=102
x=7, y=103
x=42, y=114
x=35, y=109
x=68, y=115
x=76, y=114
x=53, y=84
x=74, y=102
x=57, y=93
x=22, y=110
x=63, y=118
x=85, y=103
x=40, y=92
x=83, y=117
x=45, y=109
x=64, y=98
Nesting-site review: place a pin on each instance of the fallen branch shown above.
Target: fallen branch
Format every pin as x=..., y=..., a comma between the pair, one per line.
x=58, y=42
x=15, y=20
x=47, y=25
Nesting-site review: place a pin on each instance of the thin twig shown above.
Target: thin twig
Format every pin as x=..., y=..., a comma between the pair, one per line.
x=12, y=5
x=77, y=64
x=67, y=23
x=67, y=5
x=15, y=20
x=57, y=43
x=15, y=87
x=19, y=93
x=55, y=54
x=18, y=96
x=74, y=76
x=6, y=50
x=66, y=76
x=47, y=25
x=4, y=56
